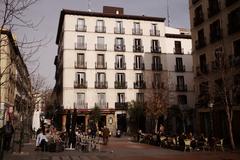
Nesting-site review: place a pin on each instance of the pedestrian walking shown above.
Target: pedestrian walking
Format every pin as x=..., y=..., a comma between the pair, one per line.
x=105, y=135
x=8, y=132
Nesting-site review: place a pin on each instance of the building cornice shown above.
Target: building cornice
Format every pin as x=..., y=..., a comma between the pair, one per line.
x=105, y=15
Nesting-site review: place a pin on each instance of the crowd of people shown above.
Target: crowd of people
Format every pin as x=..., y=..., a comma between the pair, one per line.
x=49, y=139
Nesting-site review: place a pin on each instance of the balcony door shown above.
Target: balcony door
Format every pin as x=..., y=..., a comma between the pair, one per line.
x=120, y=61
x=101, y=99
x=138, y=62
x=80, y=59
x=155, y=45
x=156, y=62
x=80, y=77
x=101, y=77
x=121, y=98
x=139, y=77
x=80, y=99
x=119, y=41
x=100, y=59
x=119, y=26
x=179, y=62
x=180, y=81
x=154, y=29
x=120, y=77
x=80, y=40
x=80, y=23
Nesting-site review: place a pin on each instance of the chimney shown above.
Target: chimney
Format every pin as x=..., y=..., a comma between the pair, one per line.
x=113, y=10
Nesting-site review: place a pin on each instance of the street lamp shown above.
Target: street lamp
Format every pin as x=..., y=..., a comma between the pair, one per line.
x=211, y=117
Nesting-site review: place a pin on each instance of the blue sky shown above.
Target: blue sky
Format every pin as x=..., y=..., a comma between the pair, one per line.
x=49, y=10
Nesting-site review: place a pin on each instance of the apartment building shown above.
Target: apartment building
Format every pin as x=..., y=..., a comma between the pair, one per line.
x=110, y=59
x=15, y=84
x=215, y=26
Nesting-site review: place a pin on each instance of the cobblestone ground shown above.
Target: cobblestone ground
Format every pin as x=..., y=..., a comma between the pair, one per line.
x=121, y=149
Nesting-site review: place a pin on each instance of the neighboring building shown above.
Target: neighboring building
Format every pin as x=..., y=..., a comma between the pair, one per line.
x=109, y=59
x=15, y=85
x=215, y=27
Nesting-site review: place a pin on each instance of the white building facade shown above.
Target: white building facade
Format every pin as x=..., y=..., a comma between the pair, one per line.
x=109, y=59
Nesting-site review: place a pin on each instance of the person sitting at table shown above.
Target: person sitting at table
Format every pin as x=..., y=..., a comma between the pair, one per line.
x=42, y=141
x=201, y=141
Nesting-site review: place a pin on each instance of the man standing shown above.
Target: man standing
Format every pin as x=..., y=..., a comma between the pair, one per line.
x=8, y=132
x=105, y=135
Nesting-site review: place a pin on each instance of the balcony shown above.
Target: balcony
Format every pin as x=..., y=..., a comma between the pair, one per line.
x=119, y=30
x=200, y=43
x=81, y=105
x=180, y=68
x=100, y=47
x=80, y=65
x=102, y=105
x=100, y=29
x=139, y=85
x=120, y=85
x=178, y=50
x=216, y=36
x=202, y=70
x=120, y=66
x=80, y=46
x=156, y=67
x=157, y=85
x=198, y=20
x=214, y=9
x=121, y=106
x=155, y=49
x=136, y=31
x=138, y=48
x=181, y=88
x=119, y=47
x=154, y=32
x=101, y=85
x=81, y=28
x=79, y=85
x=100, y=65
x=230, y=2
x=138, y=66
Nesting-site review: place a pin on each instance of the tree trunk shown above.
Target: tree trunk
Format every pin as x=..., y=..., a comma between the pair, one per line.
x=156, y=125
x=230, y=127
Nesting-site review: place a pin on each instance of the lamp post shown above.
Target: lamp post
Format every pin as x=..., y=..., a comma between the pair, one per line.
x=211, y=118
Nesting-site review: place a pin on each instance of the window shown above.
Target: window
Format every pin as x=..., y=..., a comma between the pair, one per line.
x=136, y=28
x=137, y=47
x=139, y=77
x=154, y=31
x=155, y=46
x=80, y=58
x=120, y=62
x=182, y=99
x=81, y=25
x=119, y=44
x=157, y=81
x=234, y=21
x=80, y=43
x=140, y=97
x=203, y=88
x=138, y=62
x=100, y=44
x=100, y=59
x=236, y=48
x=156, y=63
x=199, y=18
x=214, y=7
x=101, y=99
x=179, y=65
x=215, y=31
x=203, y=63
x=119, y=28
x=80, y=77
x=100, y=27
x=180, y=80
x=100, y=77
x=121, y=98
x=200, y=43
x=178, y=47
x=120, y=77
x=80, y=99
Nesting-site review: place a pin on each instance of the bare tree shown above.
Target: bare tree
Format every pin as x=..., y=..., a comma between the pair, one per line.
x=157, y=101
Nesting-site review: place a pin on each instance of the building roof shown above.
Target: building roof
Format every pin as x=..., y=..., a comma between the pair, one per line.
x=98, y=14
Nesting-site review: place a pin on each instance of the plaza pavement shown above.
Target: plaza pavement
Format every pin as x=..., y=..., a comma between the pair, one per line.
x=121, y=149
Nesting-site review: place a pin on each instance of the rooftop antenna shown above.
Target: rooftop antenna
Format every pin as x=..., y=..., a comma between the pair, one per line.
x=168, y=16
x=89, y=6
